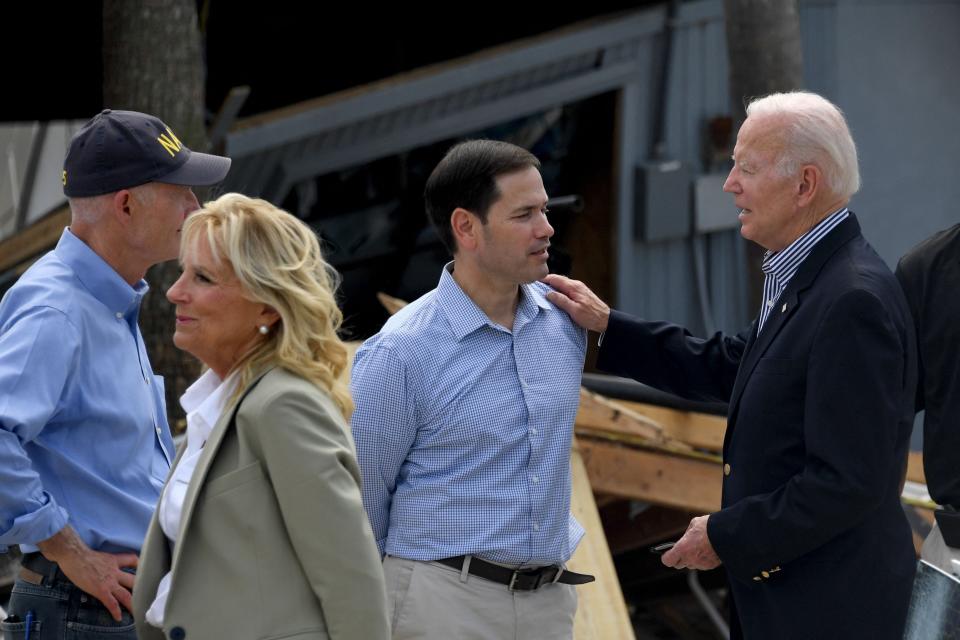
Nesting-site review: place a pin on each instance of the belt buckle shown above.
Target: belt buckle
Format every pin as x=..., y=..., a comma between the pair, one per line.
x=519, y=572
x=540, y=576
x=513, y=579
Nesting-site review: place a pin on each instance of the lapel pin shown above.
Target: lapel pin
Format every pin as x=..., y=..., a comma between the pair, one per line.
x=783, y=309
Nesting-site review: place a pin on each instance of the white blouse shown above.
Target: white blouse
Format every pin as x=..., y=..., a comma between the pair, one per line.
x=204, y=402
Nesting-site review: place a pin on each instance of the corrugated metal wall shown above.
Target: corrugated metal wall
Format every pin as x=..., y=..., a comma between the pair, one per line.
x=889, y=64
x=897, y=81
x=658, y=279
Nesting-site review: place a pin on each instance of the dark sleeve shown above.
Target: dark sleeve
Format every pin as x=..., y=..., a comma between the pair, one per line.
x=910, y=276
x=668, y=357
x=855, y=383
x=928, y=275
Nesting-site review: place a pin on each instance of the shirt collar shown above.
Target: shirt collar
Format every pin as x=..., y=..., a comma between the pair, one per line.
x=465, y=316
x=99, y=278
x=786, y=260
x=532, y=302
x=204, y=402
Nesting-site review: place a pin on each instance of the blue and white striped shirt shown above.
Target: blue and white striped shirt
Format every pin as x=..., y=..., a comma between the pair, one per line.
x=463, y=429
x=780, y=267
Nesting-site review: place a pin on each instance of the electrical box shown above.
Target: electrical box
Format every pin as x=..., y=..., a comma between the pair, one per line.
x=662, y=201
x=713, y=210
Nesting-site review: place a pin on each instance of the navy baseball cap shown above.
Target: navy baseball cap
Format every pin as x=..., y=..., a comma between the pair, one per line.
x=123, y=149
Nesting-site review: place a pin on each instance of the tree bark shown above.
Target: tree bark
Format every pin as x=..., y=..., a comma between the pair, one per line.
x=765, y=55
x=152, y=63
x=764, y=49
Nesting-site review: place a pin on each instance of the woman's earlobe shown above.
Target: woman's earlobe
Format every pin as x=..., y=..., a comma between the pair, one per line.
x=269, y=317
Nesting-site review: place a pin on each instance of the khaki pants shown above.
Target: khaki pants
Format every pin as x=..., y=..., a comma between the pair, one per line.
x=430, y=601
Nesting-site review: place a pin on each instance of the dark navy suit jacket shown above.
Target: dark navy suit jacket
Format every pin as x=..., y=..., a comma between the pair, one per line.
x=811, y=530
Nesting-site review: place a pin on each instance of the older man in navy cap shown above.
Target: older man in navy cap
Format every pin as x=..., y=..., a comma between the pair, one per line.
x=84, y=441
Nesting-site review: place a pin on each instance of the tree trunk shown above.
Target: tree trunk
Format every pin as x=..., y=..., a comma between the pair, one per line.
x=765, y=54
x=152, y=63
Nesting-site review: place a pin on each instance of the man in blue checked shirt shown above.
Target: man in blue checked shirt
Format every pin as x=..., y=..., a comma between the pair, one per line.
x=84, y=442
x=465, y=404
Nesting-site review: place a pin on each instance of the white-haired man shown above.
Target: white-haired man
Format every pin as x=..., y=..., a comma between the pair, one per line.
x=820, y=392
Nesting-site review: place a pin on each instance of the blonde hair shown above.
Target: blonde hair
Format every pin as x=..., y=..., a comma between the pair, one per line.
x=278, y=262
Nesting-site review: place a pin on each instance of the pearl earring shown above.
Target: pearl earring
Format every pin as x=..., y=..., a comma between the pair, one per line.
x=264, y=329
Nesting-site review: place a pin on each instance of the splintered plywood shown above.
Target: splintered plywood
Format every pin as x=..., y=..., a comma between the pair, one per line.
x=700, y=430
x=652, y=476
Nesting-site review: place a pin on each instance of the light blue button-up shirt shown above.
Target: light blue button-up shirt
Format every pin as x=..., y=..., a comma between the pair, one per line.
x=83, y=431
x=463, y=429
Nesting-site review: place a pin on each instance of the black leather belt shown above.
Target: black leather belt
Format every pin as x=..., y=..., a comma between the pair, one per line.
x=518, y=579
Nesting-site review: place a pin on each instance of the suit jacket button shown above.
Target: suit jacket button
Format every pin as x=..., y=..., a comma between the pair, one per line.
x=177, y=633
x=726, y=469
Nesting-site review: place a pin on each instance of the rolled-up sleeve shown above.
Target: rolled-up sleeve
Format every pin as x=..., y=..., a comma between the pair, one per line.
x=38, y=353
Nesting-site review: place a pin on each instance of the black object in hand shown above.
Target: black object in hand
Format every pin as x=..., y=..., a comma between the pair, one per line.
x=663, y=547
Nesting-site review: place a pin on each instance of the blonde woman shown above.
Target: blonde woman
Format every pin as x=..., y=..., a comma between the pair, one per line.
x=260, y=531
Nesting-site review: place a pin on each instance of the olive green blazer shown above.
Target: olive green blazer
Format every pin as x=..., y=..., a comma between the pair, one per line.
x=273, y=539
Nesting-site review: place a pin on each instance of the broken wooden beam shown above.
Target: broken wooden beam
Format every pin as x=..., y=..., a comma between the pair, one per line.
x=678, y=481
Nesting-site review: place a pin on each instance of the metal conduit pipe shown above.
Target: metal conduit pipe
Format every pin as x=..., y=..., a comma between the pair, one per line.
x=694, y=581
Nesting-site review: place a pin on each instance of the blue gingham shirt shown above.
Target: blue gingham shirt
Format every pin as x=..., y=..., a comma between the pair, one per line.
x=463, y=429
x=778, y=268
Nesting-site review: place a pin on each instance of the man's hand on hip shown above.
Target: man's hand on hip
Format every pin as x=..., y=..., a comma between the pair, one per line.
x=580, y=303
x=96, y=573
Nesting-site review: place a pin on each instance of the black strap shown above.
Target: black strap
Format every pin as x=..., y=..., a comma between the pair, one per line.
x=519, y=579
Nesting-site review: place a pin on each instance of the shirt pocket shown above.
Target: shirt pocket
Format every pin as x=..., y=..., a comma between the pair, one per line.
x=17, y=630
